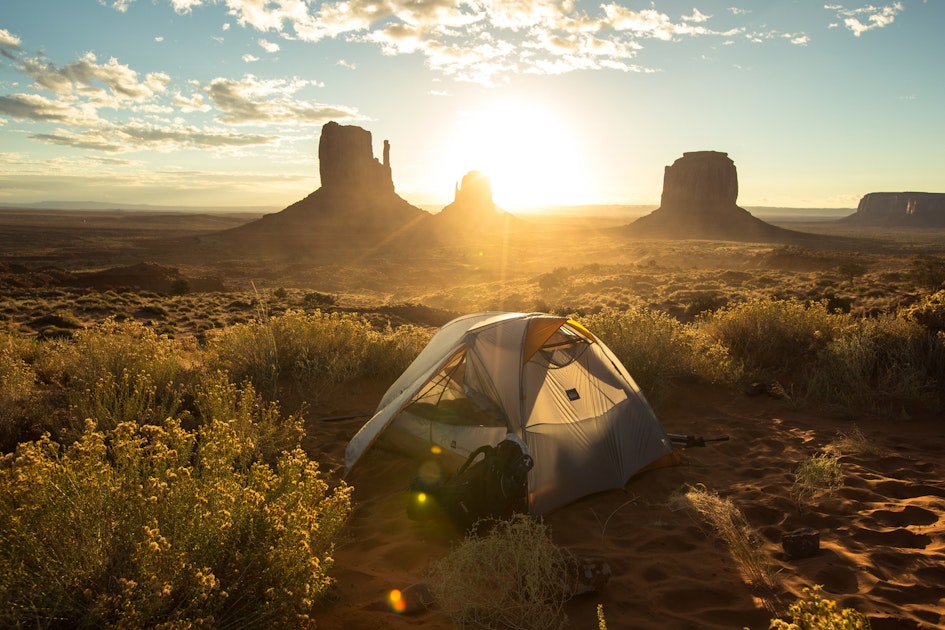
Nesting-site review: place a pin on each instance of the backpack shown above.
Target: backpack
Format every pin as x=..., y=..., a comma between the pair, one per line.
x=494, y=487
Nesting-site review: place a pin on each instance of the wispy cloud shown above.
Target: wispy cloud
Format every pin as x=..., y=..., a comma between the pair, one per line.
x=876, y=17
x=134, y=137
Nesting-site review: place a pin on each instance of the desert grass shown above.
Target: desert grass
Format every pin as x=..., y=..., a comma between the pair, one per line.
x=730, y=524
x=820, y=474
x=512, y=578
x=853, y=442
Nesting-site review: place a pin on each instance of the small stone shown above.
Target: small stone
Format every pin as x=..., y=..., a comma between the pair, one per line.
x=801, y=543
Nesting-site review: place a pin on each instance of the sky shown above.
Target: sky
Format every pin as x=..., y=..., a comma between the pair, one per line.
x=221, y=102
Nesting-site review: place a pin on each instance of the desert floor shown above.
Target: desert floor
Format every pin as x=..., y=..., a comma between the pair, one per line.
x=882, y=534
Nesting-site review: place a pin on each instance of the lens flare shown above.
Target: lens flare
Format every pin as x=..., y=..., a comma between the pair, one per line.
x=397, y=602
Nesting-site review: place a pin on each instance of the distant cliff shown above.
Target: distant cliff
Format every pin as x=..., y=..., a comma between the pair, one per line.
x=903, y=209
x=700, y=190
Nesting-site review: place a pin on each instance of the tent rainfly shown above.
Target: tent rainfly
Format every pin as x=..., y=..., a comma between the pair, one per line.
x=543, y=378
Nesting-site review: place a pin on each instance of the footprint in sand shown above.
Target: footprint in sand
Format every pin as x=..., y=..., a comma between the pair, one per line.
x=899, y=537
x=895, y=489
x=909, y=515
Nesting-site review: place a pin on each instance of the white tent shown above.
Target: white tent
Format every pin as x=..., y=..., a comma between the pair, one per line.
x=543, y=378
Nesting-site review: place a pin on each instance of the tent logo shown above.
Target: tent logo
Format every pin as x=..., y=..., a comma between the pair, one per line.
x=572, y=394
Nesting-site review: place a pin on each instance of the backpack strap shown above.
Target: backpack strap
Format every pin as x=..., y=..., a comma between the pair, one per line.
x=482, y=450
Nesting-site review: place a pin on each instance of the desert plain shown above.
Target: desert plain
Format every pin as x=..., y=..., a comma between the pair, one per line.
x=882, y=531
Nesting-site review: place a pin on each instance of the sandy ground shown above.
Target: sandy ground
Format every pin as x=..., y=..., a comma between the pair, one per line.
x=882, y=547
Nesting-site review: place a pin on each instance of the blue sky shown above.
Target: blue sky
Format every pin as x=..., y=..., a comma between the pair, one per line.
x=220, y=102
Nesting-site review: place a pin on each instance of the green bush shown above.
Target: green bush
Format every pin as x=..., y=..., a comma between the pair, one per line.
x=254, y=419
x=19, y=391
x=144, y=525
x=929, y=311
x=656, y=349
x=114, y=372
x=314, y=351
x=820, y=473
x=773, y=338
x=877, y=363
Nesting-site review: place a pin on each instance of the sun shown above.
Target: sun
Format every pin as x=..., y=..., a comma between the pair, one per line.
x=529, y=152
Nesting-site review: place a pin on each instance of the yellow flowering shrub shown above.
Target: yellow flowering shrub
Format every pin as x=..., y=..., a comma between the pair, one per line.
x=818, y=613
x=144, y=525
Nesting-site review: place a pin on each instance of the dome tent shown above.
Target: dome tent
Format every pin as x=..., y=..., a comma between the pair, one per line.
x=543, y=378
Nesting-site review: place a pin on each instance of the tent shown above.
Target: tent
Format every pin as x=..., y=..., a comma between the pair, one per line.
x=543, y=378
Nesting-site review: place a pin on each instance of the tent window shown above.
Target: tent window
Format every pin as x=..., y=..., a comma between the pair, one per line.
x=447, y=398
x=563, y=348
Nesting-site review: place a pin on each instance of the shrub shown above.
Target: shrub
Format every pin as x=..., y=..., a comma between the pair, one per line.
x=511, y=577
x=145, y=525
x=655, y=348
x=817, y=613
x=773, y=337
x=18, y=390
x=253, y=419
x=316, y=351
x=820, y=473
x=876, y=362
x=929, y=311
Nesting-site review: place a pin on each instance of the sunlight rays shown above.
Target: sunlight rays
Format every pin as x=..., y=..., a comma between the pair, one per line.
x=528, y=150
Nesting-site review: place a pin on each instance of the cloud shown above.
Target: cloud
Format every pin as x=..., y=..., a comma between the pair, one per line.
x=248, y=58
x=87, y=78
x=482, y=41
x=697, y=16
x=255, y=101
x=876, y=17
x=135, y=137
x=8, y=39
x=118, y=5
x=39, y=108
x=269, y=47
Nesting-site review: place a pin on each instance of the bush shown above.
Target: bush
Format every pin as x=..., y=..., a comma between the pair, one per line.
x=876, y=363
x=817, y=613
x=512, y=577
x=773, y=338
x=253, y=419
x=656, y=349
x=929, y=312
x=18, y=390
x=113, y=373
x=818, y=474
x=145, y=525
x=315, y=351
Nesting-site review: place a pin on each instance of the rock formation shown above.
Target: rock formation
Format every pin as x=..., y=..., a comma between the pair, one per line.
x=355, y=208
x=699, y=202
x=346, y=161
x=904, y=209
x=473, y=211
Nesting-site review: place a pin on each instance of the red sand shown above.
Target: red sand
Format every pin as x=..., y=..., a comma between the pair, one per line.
x=882, y=547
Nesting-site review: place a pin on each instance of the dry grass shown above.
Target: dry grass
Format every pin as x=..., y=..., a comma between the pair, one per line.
x=728, y=522
x=512, y=578
x=820, y=474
